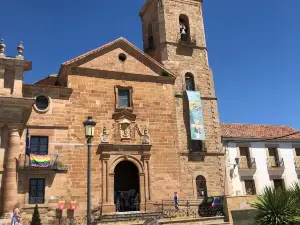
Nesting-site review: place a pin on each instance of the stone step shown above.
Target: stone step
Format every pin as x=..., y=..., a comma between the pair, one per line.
x=136, y=216
x=172, y=221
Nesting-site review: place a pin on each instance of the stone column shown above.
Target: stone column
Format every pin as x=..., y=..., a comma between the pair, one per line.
x=148, y=182
x=110, y=188
x=1, y=128
x=2, y=72
x=104, y=181
x=10, y=186
x=18, y=81
x=142, y=191
x=1, y=146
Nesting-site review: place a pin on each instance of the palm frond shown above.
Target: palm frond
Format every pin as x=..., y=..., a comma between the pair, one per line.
x=275, y=207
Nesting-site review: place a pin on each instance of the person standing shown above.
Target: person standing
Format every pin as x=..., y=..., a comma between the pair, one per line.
x=176, y=199
x=16, y=219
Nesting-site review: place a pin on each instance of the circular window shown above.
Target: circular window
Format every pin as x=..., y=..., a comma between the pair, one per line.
x=42, y=103
x=122, y=57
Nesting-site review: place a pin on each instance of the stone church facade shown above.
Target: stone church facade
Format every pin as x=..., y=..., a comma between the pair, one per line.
x=138, y=99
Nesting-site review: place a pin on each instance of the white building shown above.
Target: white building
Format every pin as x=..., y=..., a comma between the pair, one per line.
x=260, y=155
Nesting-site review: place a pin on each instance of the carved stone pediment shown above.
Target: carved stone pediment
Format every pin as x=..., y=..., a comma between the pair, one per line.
x=124, y=129
x=124, y=114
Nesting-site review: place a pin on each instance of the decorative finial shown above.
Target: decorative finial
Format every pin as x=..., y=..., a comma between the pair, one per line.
x=20, y=50
x=2, y=48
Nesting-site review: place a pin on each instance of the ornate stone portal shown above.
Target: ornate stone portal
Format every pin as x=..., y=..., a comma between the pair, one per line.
x=124, y=140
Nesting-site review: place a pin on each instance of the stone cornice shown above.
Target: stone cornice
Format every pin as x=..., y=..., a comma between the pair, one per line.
x=190, y=46
x=14, y=62
x=117, y=149
x=47, y=127
x=202, y=153
x=121, y=76
x=47, y=86
x=188, y=2
x=12, y=102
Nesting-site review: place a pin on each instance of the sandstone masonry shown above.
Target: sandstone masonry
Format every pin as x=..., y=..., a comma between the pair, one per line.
x=152, y=131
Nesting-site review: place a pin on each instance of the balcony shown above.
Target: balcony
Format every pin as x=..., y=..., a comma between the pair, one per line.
x=247, y=167
x=275, y=167
x=187, y=41
x=36, y=200
x=54, y=164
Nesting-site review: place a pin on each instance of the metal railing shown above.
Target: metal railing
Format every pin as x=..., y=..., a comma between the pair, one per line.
x=184, y=208
x=247, y=163
x=161, y=209
x=275, y=163
x=55, y=163
x=36, y=200
x=186, y=39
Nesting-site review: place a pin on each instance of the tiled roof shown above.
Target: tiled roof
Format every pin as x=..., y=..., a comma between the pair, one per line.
x=49, y=80
x=234, y=130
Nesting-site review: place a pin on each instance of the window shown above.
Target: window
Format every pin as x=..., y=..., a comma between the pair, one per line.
x=36, y=191
x=189, y=82
x=244, y=158
x=201, y=187
x=124, y=100
x=124, y=97
x=273, y=157
x=278, y=184
x=122, y=57
x=250, y=187
x=184, y=28
x=150, y=37
x=39, y=145
x=42, y=102
x=196, y=146
x=297, y=160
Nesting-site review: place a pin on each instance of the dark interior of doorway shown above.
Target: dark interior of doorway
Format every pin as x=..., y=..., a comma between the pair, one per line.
x=126, y=187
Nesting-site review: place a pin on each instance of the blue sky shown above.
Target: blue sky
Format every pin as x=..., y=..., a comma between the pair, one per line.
x=253, y=46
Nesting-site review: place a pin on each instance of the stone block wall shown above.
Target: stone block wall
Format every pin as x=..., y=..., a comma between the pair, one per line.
x=238, y=203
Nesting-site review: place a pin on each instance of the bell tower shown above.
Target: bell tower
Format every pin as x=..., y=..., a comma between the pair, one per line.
x=171, y=22
x=173, y=34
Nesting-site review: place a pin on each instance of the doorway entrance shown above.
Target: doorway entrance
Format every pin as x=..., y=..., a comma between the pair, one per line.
x=126, y=187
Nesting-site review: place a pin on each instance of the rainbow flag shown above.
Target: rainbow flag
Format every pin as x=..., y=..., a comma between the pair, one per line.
x=42, y=161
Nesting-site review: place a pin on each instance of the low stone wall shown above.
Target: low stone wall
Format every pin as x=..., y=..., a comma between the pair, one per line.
x=239, y=208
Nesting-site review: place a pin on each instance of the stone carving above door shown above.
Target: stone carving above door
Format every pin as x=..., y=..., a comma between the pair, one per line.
x=124, y=129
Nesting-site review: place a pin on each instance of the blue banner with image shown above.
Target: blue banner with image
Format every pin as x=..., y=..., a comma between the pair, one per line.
x=196, y=117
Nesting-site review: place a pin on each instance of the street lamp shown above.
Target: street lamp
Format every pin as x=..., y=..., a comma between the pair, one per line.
x=89, y=128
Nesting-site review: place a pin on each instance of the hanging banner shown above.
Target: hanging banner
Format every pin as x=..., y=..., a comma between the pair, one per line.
x=196, y=118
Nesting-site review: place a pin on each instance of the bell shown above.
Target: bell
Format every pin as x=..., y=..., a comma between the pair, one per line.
x=182, y=31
